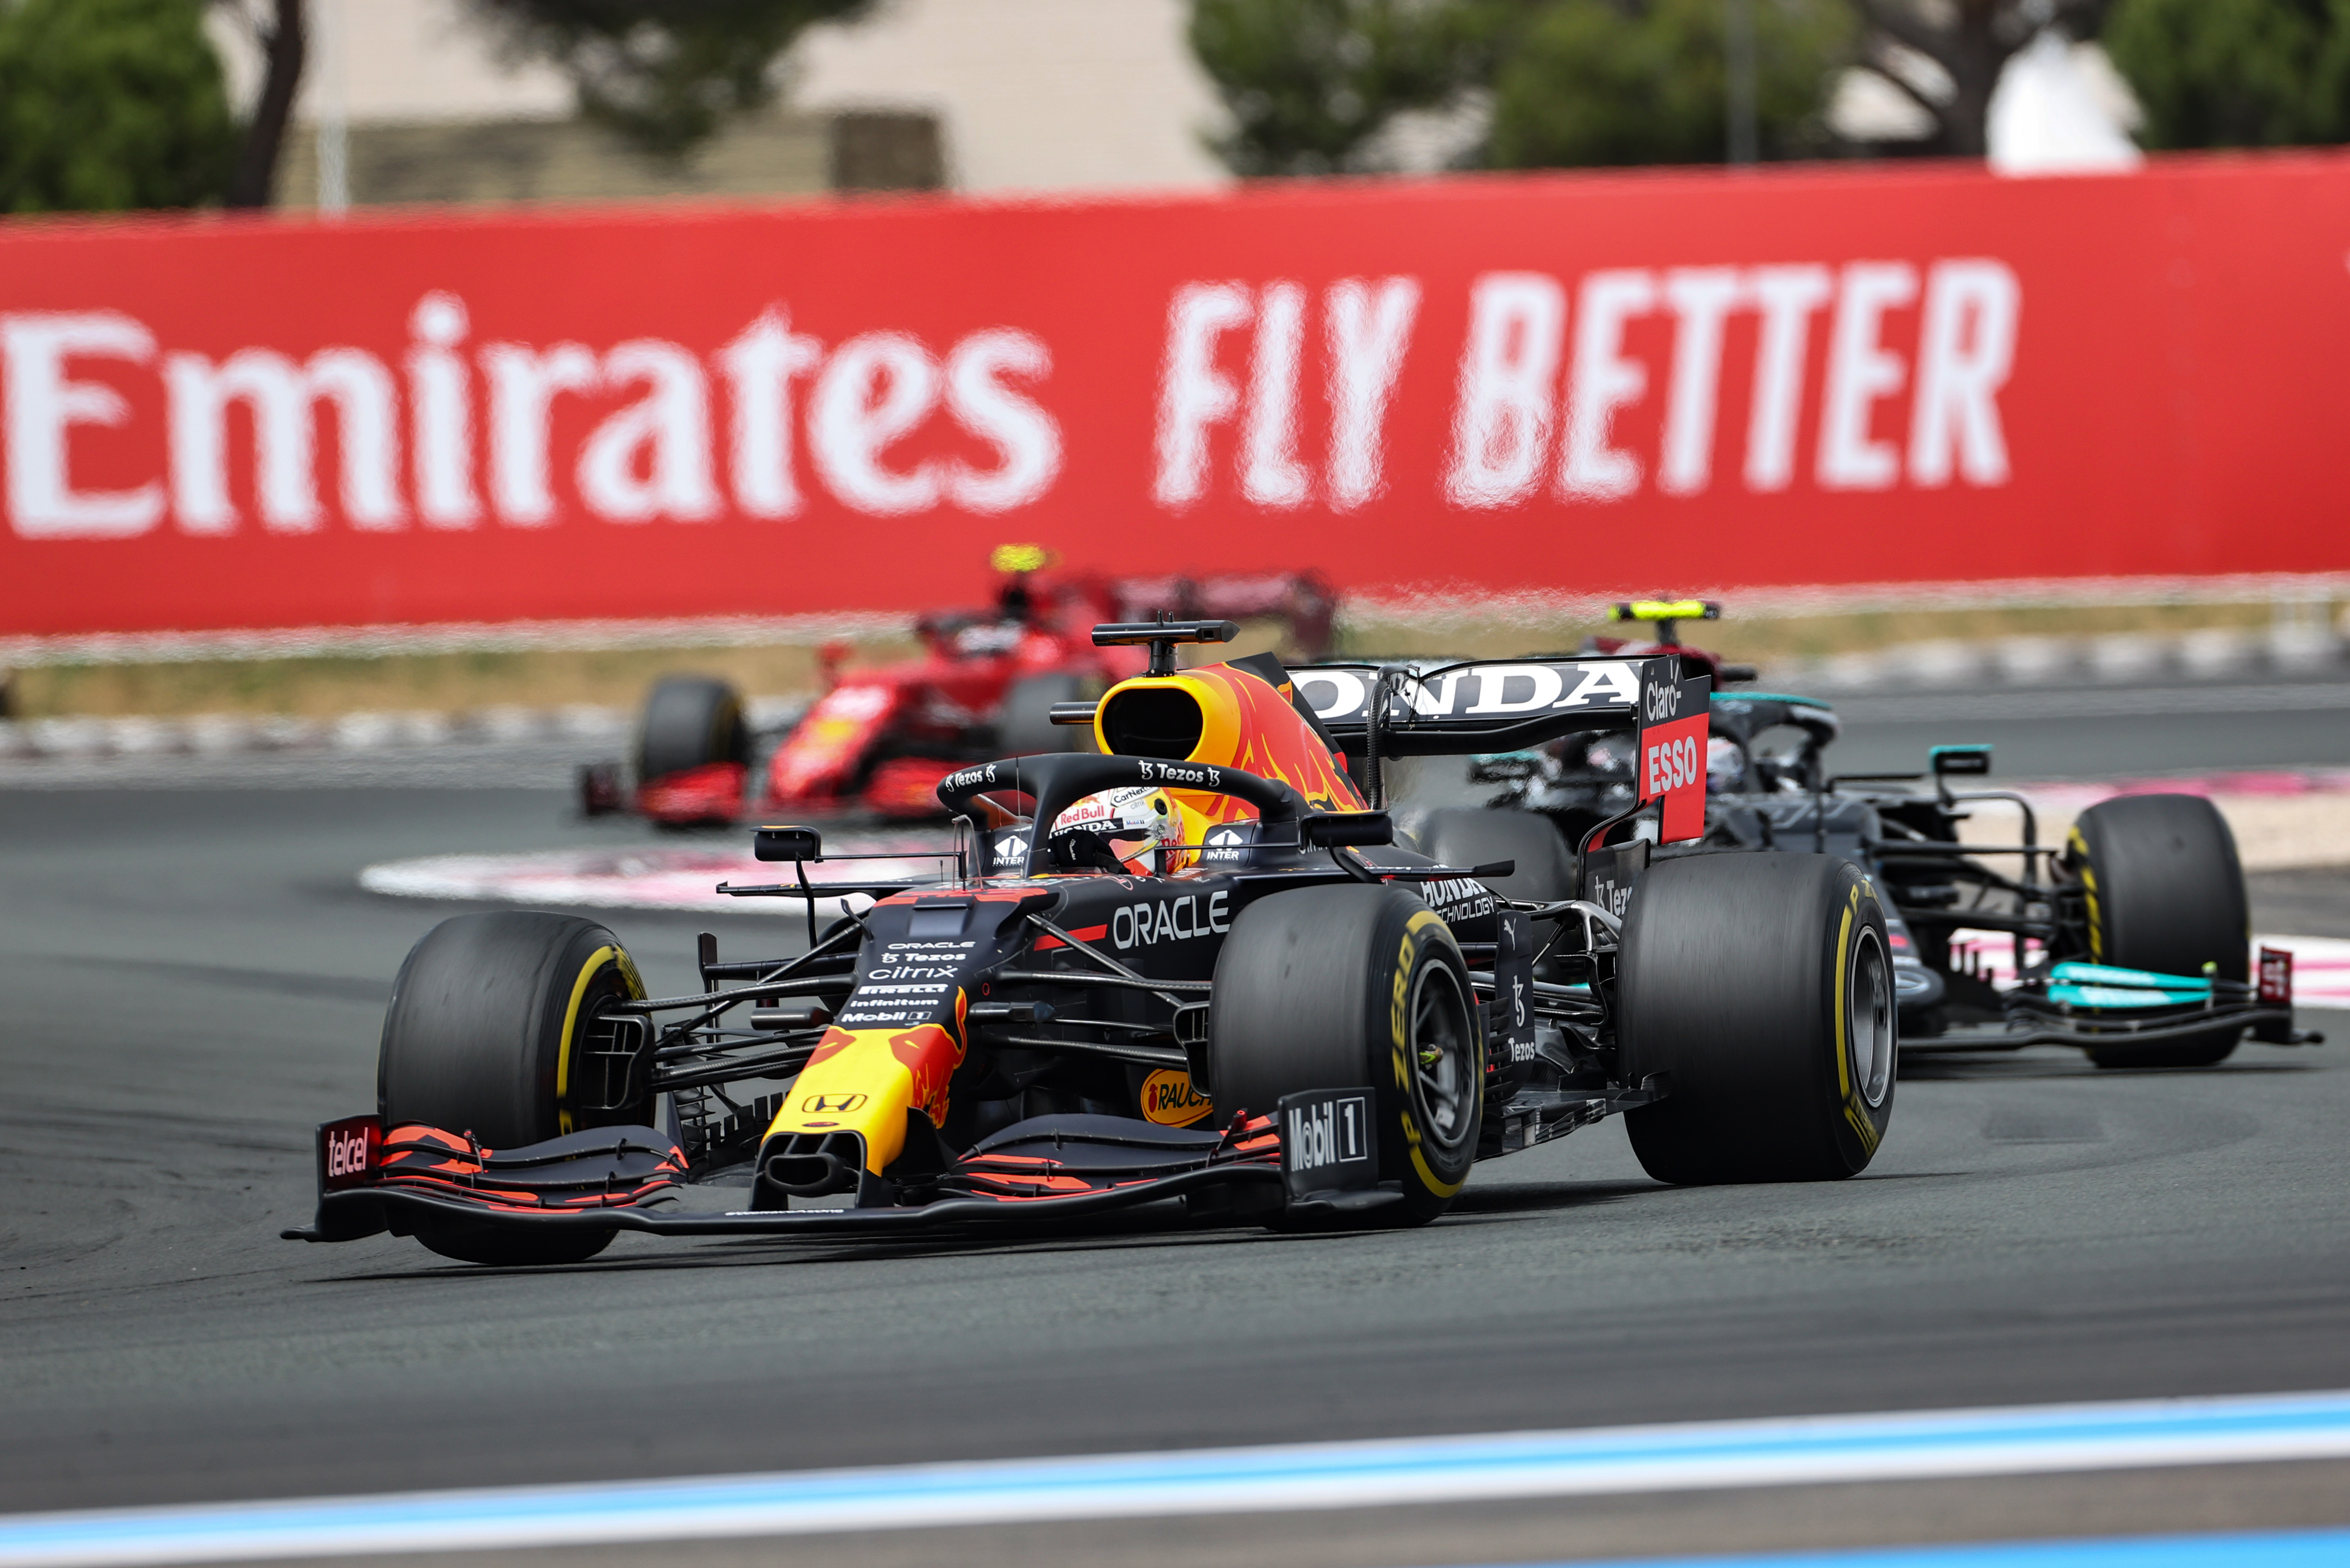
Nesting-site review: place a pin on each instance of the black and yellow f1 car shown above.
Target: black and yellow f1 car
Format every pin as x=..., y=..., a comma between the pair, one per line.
x=1195, y=964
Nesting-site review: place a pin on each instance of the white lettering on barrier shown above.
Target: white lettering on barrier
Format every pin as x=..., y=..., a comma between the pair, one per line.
x=656, y=457
x=524, y=383
x=1700, y=299
x=665, y=434
x=1271, y=474
x=1370, y=328
x=1603, y=380
x=1966, y=347
x=44, y=404
x=1193, y=393
x=444, y=413
x=1787, y=297
x=760, y=367
x=1861, y=373
x=1500, y=426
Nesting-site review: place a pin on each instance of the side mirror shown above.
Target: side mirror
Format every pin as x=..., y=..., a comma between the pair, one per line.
x=1330, y=831
x=786, y=843
x=1960, y=762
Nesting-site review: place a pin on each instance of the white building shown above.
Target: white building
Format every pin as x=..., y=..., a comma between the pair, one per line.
x=1024, y=95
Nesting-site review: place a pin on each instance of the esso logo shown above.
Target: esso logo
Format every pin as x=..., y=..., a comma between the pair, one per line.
x=1674, y=764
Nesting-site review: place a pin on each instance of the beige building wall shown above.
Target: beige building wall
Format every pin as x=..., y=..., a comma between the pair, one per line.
x=1027, y=95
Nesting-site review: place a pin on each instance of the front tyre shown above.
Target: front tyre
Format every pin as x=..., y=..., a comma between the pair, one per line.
x=2162, y=890
x=497, y=1028
x=1328, y=987
x=1763, y=985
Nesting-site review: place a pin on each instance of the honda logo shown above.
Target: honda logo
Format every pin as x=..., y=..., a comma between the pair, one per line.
x=821, y=1105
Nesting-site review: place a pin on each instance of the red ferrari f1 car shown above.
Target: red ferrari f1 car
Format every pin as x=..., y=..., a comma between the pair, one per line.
x=881, y=739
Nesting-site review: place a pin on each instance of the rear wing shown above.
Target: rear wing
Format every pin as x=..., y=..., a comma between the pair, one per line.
x=1493, y=705
x=1506, y=705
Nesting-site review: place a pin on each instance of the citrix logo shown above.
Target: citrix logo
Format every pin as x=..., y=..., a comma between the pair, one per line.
x=1173, y=921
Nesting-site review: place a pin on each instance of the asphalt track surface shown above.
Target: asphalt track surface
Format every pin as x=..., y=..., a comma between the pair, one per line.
x=192, y=981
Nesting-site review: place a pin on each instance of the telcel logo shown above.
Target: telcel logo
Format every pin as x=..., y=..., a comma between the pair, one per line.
x=347, y=1152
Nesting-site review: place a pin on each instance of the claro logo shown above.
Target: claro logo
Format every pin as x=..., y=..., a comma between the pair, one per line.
x=1171, y=920
x=1663, y=702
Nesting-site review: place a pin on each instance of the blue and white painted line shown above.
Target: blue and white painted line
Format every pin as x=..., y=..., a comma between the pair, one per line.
x=1276, y=1479
x=2265, y=1549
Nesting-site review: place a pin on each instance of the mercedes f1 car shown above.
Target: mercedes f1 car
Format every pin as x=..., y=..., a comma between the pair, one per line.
x=1197, y=964
x=2129, y=938
x=880, y=740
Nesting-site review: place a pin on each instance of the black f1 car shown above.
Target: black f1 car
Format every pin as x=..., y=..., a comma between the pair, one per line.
x=2130, y=938
x=1196, y=965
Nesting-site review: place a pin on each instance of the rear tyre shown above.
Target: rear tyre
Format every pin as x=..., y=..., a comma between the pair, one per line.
x=689, y=722
x=1545, y=872
x=2163, y=891
x=1763, y=985
x=1329, y=988
x=1024, y=722
x=495, y=1029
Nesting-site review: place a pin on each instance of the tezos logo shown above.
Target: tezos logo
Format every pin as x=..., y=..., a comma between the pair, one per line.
x=970, y=776
x=1173, y=921
x=1183, y=773
x=833, y=1105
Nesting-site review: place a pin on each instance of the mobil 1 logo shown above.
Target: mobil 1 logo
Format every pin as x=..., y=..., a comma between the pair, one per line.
x=1326, y=1141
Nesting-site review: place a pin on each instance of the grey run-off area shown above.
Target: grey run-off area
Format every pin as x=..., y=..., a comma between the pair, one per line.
x=194, y=980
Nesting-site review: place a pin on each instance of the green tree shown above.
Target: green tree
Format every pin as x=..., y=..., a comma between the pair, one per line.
x=1309, y=84
x=2235, y=73
x=1597, y=82
x=663, y=73
x=110, y=104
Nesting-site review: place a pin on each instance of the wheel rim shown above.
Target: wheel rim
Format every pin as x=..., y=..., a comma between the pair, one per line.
x=1443, y=1045
x=1868, y=1014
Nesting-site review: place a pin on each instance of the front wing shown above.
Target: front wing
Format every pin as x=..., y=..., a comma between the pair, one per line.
x=408, y=1178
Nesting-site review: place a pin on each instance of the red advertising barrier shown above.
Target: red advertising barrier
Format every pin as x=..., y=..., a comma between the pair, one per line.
x=1579, y=384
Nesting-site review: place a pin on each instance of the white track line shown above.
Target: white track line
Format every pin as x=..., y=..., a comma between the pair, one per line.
x=2012, y=1442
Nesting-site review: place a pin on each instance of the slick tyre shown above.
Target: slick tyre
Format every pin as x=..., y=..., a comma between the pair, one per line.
x=1545, y=872
x=495, y=1029
x=2162, y=890
x=1330, y=988
x=1762, y=986
x=1024, y=722
x=689, y=722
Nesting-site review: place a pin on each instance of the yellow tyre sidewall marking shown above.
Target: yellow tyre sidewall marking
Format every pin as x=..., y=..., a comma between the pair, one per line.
x=2080, y=848
x=1856, y=1109
x=588, y=971
x=1400, y=1035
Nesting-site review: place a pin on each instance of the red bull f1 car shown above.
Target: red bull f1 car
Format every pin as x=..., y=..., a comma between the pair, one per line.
x=1197, y=963
x=881, y=739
